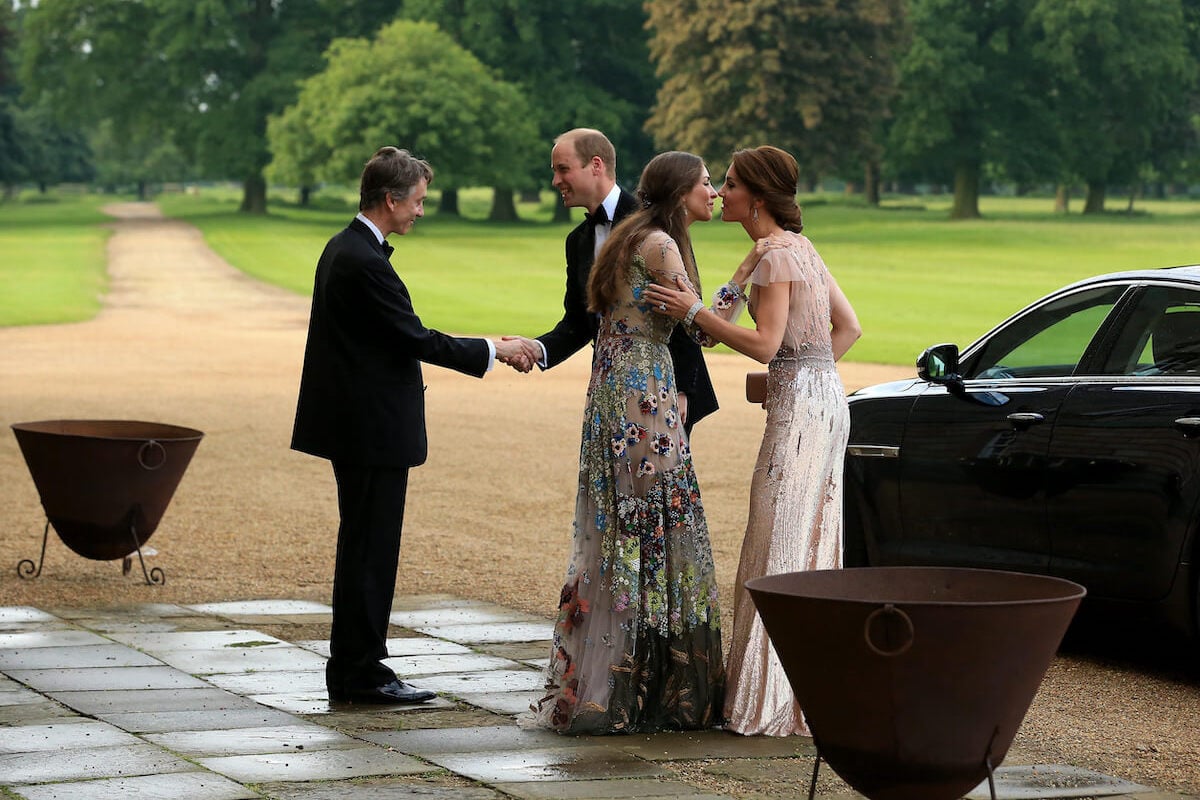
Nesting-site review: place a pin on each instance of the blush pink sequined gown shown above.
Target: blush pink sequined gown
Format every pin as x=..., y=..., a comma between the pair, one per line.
x=795, y=520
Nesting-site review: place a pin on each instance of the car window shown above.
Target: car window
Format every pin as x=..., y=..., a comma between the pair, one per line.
x=1160, y=336
x=1048, y=341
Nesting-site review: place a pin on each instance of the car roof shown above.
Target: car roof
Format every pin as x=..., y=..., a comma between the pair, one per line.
x=1183, y=274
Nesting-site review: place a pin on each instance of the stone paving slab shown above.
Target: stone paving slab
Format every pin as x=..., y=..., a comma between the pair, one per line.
x=481, y=633
x=320, y=765
x=35, y=712
x=87, y=679
x=81, y=763
x=495, y=738
x=51, y=737
x=693, y=745
x=175, y=786
x=640, y=788
x=379, y=789
x=251, y=716
x=159, y=642
x=21, y=614
x=506, y=703
x=317, y=704
x=461, y=662
x=243, y=659
x=401, y=647
x=126, y=700
x=500, y=680
x=271, y=682
x=553, y=764
x=49, y=638
x=93, y=655
x=1031, y=782
x=461, y=615
x=262, y=608
x=293, y=738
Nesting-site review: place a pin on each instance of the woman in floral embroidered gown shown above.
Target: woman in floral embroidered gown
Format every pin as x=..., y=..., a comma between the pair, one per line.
x=637, y=643
x=803, y=324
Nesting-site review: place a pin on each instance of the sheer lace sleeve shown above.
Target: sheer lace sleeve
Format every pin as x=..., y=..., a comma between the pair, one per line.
x=661, y=254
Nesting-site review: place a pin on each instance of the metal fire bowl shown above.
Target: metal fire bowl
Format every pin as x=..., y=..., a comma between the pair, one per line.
x=100, y=479
x=914, y=680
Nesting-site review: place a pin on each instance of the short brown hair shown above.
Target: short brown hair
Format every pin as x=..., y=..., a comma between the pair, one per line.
x=590, y=143
x=391, y=171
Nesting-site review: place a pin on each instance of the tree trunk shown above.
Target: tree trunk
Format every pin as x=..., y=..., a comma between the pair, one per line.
x=871, y=183
x=254, y=195
x=531, y=196
x=1134, y=191
x=305, y=195
x=561, y=212
x=1095, y=198
x=504, y=209
x=966, y=191
x=448, y=205
x=1062, y=199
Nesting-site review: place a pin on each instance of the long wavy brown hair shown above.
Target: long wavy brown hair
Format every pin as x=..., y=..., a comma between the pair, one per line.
x=665, y=180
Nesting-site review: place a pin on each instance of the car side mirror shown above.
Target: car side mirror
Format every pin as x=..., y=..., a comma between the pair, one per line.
x=939, y=364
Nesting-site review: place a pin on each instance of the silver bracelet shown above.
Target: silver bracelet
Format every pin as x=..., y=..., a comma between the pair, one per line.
x=692, y=312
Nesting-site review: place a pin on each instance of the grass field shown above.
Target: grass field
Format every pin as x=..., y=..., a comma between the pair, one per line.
x=51, y=259
x=914, y=277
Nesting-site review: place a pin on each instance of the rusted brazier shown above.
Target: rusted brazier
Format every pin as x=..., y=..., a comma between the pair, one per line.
x=914, y=680
x=104, y=484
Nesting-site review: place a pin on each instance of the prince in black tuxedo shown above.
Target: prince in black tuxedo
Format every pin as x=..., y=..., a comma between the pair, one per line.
x=584, y=165
x=362, y=406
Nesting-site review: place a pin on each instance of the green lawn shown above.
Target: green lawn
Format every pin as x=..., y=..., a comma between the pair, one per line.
x=51, y=259
x=914, y=277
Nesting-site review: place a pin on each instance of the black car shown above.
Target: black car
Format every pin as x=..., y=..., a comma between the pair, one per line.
x=1066, y=441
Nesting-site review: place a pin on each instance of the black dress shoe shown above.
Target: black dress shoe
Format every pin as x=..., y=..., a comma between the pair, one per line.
x=394, y=693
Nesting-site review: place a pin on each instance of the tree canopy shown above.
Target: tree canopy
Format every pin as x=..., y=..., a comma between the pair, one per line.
x=414, y=87
x=811, y=76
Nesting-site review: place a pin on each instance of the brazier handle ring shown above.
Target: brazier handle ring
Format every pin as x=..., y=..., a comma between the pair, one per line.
x=890, y=611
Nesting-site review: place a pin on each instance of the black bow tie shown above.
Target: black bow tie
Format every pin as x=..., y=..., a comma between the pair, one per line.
x=599, y=217
x=387, y=248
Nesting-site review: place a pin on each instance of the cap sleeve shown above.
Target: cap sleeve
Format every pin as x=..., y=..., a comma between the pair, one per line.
x=797, y=262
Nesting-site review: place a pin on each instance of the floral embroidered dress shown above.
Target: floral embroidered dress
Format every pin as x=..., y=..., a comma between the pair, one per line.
x=637, y=644
x=795, y=518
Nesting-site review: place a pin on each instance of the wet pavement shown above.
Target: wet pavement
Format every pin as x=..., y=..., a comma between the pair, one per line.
x=174, y=701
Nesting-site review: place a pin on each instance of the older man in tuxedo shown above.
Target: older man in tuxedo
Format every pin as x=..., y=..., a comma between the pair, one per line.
x=362, y=406
x=584, y=164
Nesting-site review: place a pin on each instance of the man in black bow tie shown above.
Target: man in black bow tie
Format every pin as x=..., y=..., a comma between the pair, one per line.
x=584, y=164
x=362, y=406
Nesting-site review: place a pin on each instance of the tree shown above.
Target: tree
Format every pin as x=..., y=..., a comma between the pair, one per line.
x=814, y=77
x=207, y=71
x=1122, y=77
x=586, y=63
x=411, y=86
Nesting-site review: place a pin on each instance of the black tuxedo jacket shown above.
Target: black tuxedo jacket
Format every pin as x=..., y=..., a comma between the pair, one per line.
x=579, y=326
x=362, y=398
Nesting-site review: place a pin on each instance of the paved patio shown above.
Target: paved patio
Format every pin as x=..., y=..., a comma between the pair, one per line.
x=172, y=701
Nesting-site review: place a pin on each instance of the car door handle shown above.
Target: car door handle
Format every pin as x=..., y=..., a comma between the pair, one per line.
x=1025, y=419
x=1189, y=425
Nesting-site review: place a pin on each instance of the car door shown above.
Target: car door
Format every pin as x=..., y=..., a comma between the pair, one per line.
x=1124, y=461
x=973, y=457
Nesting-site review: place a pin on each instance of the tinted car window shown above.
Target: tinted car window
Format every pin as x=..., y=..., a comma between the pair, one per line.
x=1160, y=335
x=1049, y=341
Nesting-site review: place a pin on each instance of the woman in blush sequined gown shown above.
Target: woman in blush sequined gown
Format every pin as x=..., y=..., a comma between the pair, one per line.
x=637, y=642
x=803, y=325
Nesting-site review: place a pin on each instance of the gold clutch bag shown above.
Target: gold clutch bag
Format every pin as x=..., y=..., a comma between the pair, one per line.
x=756, y=387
